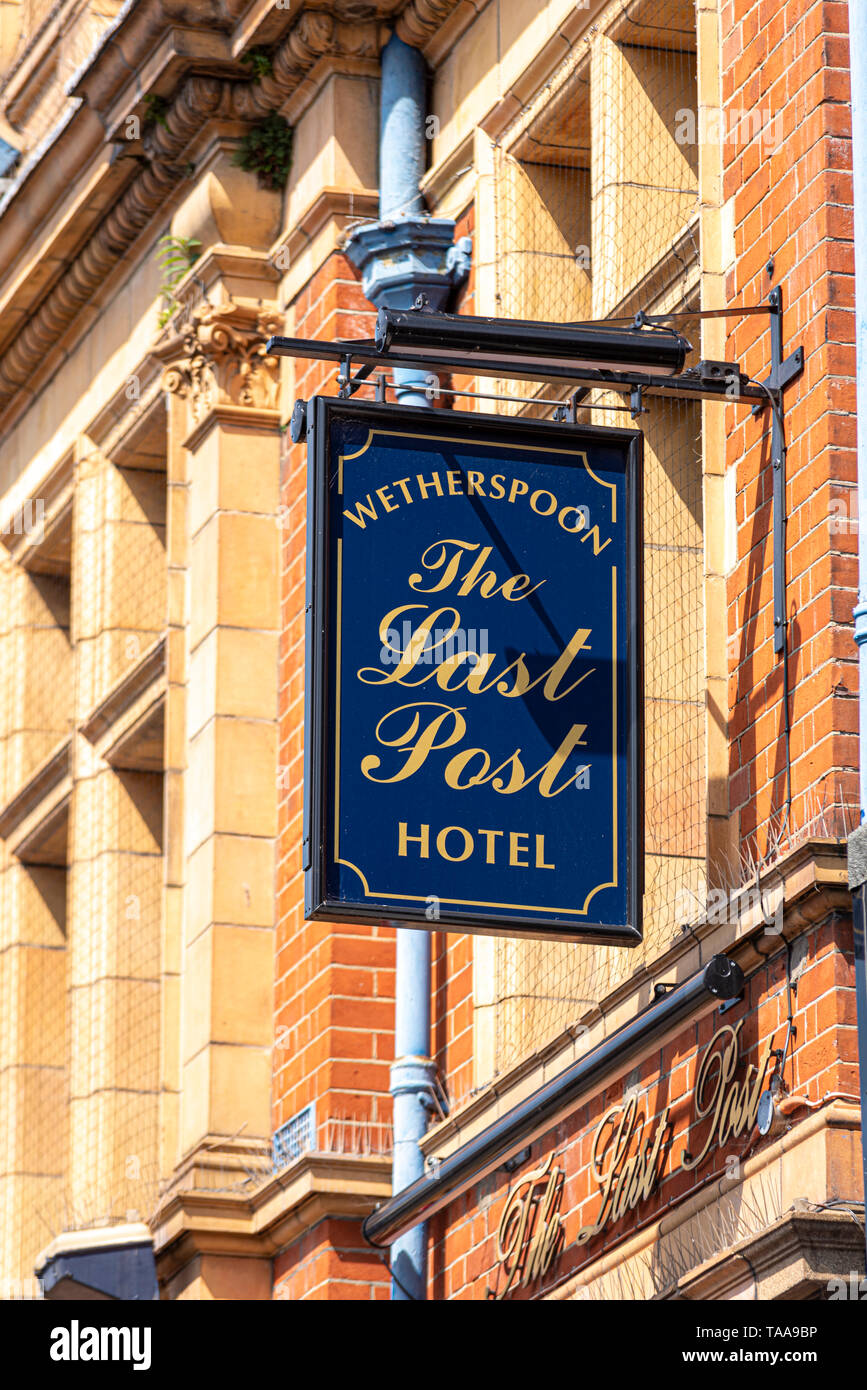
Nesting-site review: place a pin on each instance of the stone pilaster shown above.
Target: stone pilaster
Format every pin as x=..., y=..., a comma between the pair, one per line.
x=35, y=699
x=115, y=850
x=717, y=255
x=221, y=737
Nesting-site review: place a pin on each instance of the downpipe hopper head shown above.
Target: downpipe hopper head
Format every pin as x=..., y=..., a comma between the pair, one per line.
x=403, y=257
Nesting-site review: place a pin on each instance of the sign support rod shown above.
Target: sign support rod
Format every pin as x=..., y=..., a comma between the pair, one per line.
x=782, y=373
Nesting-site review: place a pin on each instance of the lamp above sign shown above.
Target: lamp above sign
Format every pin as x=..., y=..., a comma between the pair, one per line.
x=473, y=725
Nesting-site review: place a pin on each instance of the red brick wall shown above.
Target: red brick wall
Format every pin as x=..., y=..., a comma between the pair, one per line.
x=823, y=1061
x=793, y=202
x=331, y=1261
x=334, y=1020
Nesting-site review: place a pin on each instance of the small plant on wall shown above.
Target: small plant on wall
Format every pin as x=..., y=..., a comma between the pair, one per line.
x=177, y=254
x=259, y=63
x=266, y=150
x=155, y=111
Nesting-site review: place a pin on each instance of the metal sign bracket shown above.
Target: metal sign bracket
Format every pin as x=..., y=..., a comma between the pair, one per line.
x=708, y=380
x=782, y=373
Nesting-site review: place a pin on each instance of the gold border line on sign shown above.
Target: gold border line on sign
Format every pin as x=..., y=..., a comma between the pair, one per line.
x=469, y=902
x=338, y=653
x=602, y=483
x=344, y=458
x=613, y=883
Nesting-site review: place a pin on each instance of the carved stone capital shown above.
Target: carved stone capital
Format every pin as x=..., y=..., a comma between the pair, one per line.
x=218, y=358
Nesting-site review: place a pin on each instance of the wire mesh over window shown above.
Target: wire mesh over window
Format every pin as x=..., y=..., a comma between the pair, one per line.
x=116, y=842
x=81, y=877
x=596, y=206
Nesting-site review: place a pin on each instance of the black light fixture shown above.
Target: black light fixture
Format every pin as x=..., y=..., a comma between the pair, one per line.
x=525, y=349
x=644, y=355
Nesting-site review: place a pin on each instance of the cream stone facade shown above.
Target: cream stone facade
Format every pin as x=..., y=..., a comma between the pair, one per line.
x=152, y=529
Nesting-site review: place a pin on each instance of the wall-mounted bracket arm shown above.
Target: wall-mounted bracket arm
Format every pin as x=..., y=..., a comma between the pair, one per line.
x=782, y=373
x=347, y=383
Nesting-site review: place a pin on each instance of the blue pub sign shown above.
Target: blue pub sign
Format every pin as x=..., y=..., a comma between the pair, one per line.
x=474, y=702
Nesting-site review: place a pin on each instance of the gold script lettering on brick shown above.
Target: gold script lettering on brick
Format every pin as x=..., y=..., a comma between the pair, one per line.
x=531, y=1229
x=731, y=1105
x=626, y=1166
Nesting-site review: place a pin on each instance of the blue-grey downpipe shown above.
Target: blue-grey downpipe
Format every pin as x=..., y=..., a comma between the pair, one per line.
x=403, y=85
x=411, y=1086
x=407, y=253
x=858, y=841
x=401, y=165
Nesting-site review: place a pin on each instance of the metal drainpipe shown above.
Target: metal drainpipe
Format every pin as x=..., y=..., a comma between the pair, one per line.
x=402, y=255
x=401, y=164
x=411, y=1085
x=858, y=841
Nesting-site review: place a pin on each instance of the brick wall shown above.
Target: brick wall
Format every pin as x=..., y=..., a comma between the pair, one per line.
x=334, y=1020
x=332, y=1261
x=791, y=195
x=791, y=188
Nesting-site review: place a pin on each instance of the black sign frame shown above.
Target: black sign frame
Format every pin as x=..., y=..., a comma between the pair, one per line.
x=318, y=748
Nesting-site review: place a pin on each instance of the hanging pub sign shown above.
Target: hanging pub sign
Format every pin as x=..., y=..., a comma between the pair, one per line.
x=473, y=726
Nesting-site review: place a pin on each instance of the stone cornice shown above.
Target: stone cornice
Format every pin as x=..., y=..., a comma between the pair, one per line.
x=116, y=232
x=144, y=682
x=793, y=1258
x=93, y=1238
x=456, y=168
x=328, y=203
x=45, y=217
x=199, y=99
x=120, y=423
x=40, y=802
x=422, y=20
x=264, y=1220
x=43, y=547
x=166, y=54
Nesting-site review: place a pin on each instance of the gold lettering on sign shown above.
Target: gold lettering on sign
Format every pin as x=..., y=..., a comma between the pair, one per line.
x=412, y=733
x=625, y=1165
x=403, y=729
x=733, y=1106
x=531, y=1228
x=431, y=637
